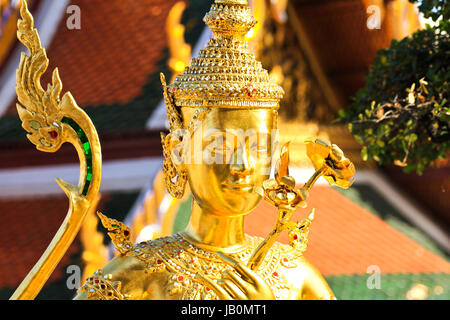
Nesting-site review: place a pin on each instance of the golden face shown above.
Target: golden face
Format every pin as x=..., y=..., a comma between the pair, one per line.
x=227, y=157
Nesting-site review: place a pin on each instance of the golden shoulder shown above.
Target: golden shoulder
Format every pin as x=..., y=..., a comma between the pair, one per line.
x=173, y=263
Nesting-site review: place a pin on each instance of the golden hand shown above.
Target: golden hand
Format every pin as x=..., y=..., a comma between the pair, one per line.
x=241, y=283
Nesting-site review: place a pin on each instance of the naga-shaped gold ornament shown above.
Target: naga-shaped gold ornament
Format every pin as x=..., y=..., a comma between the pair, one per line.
x=51, y=121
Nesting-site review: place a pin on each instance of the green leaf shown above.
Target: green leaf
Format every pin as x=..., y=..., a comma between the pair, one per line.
x=342, y=114
x=364, y=154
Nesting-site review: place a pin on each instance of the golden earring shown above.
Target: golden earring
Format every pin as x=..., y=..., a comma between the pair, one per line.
x=175, y=180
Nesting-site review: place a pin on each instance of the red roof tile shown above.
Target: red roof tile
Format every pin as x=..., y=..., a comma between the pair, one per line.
x=105, y=62
x=347, y=239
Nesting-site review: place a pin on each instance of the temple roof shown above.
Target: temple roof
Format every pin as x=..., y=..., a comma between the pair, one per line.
x=112, y=75
x=113, y=72
x=29, y=226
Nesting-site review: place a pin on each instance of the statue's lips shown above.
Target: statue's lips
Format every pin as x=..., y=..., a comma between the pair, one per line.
x=238, y=186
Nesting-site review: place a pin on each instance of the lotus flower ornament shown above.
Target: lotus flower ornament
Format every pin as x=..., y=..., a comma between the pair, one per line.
x=328, y=161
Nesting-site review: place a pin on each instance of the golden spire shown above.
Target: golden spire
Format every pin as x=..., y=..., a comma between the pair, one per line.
x=226, y=74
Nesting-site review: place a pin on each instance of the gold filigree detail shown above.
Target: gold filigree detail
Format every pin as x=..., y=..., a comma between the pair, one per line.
x=118, y=232
x=226, y=74
x=298, y=235
x=184, y=260
x=101, y=287
x=175, y=179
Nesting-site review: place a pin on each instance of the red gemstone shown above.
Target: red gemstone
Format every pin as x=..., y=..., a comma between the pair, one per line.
x=159, y=261
x=285, y=260
x=103, y=286
x=295, y=237
x=207, y=289
x=180, y=278
x=53, y=134
x=97, y=281
x=275, y=274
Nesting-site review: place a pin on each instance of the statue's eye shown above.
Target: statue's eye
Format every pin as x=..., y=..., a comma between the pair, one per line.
x=258, y=148
x=35, y=125
x=218, y=147
x=262, y=149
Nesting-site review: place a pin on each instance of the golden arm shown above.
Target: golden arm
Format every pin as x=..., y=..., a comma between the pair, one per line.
x=314, y=286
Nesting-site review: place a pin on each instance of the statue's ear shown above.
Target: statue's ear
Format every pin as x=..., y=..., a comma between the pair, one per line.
x=176, y=146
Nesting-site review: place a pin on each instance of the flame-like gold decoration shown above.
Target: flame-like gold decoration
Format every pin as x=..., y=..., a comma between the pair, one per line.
x=51, y=121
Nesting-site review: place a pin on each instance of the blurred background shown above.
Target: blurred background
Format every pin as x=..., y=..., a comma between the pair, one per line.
x=387, y=237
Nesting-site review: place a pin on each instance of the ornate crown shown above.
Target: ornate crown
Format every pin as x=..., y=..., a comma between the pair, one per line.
x=226, y=74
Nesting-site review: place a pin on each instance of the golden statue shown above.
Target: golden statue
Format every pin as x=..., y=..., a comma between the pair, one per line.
x=223, y=118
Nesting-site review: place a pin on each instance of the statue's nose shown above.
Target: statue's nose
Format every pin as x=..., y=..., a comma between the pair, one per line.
x=241, y=163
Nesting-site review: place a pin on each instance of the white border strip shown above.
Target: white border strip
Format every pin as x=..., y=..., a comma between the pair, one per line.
x=46, y=21
x=120, y=175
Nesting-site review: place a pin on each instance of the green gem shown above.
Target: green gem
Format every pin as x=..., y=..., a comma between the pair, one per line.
x=89, y=177
x=81, y=135
x=87, y=147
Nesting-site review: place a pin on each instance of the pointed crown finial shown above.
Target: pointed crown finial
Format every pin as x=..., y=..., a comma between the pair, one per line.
x=226, y=74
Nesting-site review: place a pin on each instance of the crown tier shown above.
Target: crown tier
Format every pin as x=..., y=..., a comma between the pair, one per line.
x=225, y=73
